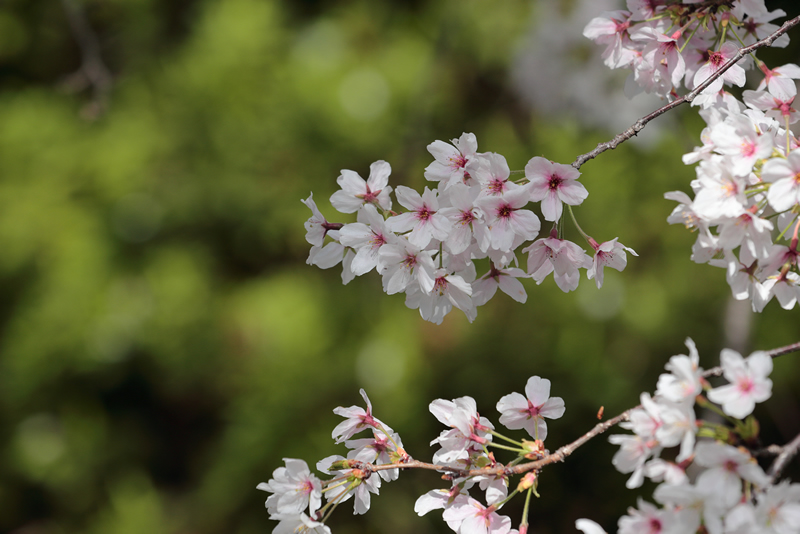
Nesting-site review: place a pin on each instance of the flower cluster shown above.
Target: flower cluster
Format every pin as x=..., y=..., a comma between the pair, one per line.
x=296, y=494
x=476, y=212
x=747, y=185
x=722, y=473
x=711, y=484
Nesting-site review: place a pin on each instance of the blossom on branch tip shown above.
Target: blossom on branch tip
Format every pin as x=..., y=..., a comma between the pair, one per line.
x=356, y=420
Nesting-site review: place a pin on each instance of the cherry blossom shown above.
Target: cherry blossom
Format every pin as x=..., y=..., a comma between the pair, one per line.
x=748, y=382
x=607, y=254
x=423, y=220
x=683, y=382
x=451, y=160
x=784, y=174
x=471, y=517
x=356, y=420
x=356, y=192
x=560, y=256
x=294, y=489
x=529, y=413
x=554, y=183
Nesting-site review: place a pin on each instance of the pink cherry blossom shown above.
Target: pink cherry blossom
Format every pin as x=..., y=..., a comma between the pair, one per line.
x=748, y=382
x=486, y=286
x=560, y=256
x=448, y=290
x=356, y=192
x=554, y=183
x=682, y=383
x=367, y=237
x=474, y=518
x=716, y=59
x=780, y=79
x=784, y=175
x=607, y=254
x=529, y=413
x=294, y=489
x=423, y=219
x=356, y=420
x=405, y=264
x=450, y=162
x=506, y=218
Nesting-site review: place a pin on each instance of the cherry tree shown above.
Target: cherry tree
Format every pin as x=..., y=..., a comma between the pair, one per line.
x=744, y=206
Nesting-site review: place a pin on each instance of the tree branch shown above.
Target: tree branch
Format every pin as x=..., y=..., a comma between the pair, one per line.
x=787, y=452
x=92, y=72
x=641, y=123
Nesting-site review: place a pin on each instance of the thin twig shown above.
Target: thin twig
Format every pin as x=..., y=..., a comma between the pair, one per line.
x=92, y=72
x=561, y=454
x=640, y=124
x=788, y=452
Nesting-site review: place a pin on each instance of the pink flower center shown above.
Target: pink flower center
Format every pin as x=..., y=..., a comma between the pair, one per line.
x=377, y=240
x=440, y=285
x=750, y=26
x=748, y=148
x=466, y=218
x=504, y=211
x=497, y=186
x=370, y=196
x=458, y=162
x=532, y=411
x=731, y=466
x=410, y=261
x=730, y=189
x=655, y=525
x=555, y=182
x=424, y=213
x=745, y=385
x=716, y=59
x=307, y=487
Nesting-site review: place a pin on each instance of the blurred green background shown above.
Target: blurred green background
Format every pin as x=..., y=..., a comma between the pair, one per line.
x=163, y=343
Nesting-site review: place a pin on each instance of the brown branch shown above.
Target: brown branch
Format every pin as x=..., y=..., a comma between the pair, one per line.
x=92, y=72
x=640, y=124
x=787, y=453
x=561, y=454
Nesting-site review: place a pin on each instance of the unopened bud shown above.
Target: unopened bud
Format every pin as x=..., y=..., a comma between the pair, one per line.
x=527, y=481
x=535, y=449
x=341, y=465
